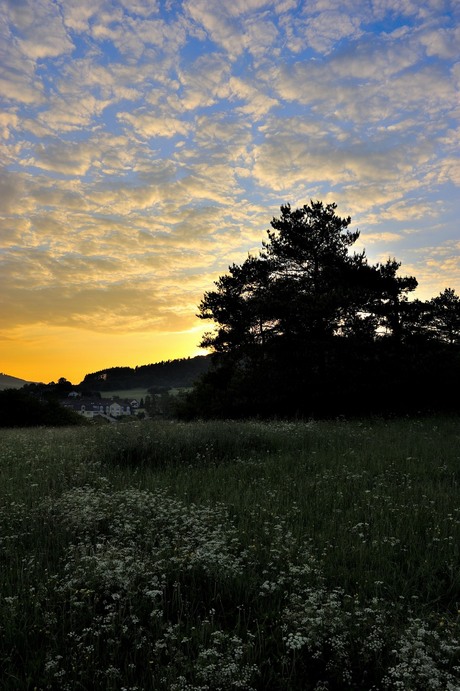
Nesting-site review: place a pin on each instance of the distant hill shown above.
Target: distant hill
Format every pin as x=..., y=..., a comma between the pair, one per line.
x=8, y=382
x=161, y=375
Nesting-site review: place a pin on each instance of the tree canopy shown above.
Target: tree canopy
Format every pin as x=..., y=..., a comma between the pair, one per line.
x=21, y=408
x=310, y=327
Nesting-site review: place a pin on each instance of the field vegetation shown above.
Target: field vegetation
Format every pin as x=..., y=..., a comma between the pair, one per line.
x=231, y=555
x=128, y=394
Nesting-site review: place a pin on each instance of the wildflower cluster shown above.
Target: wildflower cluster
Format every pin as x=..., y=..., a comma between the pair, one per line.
x=284, y=556
x=132, y=568
x=424, y=659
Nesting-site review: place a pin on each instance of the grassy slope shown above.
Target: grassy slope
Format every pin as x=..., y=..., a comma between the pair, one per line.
x=231, y=555
x=137, y=394
x=128, y=394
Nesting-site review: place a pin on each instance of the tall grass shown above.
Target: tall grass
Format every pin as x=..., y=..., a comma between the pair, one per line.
x=210, y=556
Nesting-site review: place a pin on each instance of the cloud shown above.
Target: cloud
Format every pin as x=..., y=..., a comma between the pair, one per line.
x=12, y=192
x=60, y=286
x=78, y=13
x=448, y=170
x=142, y=8
x=68, y=158
x=224, y=138
x=150, y=126
x=303, y=151
x=261, y=37
x=109, y=83
x=204, y=82
x=146, y=145
x=368, y=83
x=18, y=82
x=8, y=121
x=257, y=102
x=209, y=182
x=442, y=43
x=324, y=30
x=217, y=24
x=436, y=267
x=230, y=26
x=135, y=36
x=39, y=30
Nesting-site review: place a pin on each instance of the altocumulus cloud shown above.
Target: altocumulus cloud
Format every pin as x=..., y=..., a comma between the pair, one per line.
x=146, y=145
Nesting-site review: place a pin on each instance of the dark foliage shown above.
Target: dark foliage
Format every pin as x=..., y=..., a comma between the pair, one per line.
x=20, y=408
x=158, y=376
x=309, y=329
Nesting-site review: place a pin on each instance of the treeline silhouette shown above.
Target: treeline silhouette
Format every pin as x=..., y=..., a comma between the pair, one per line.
x=307, y=328
x=159, y=376
x=21, y=408
x=37, y=404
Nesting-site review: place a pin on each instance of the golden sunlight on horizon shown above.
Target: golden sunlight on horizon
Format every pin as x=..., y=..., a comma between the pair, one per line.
x=147, y=145
x=45, y=354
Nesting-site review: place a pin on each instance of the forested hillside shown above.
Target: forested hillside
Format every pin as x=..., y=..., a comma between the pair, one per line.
x=161, y=375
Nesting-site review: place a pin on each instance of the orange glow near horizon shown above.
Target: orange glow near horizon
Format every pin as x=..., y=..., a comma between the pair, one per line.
x=46, y=354
x=147, y=145
x=41, y=353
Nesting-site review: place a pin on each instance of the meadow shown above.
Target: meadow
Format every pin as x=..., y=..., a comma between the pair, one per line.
x=130, y=394
x=209, y=556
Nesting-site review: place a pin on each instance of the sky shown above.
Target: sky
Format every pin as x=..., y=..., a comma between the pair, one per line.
x=147, y=144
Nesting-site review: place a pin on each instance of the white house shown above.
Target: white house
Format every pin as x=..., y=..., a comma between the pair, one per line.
x=118, y=408
x=91, y=408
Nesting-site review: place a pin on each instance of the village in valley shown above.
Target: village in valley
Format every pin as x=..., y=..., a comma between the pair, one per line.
x=112, y=395
x=111, y=409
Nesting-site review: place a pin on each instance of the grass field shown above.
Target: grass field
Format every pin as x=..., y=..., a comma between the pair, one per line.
x=207, y=556
x=137, y=394
x=128, y=394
